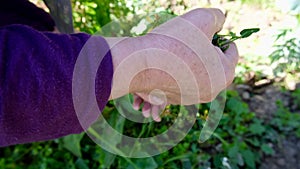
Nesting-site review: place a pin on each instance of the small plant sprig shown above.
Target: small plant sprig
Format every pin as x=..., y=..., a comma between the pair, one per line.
x=222, y=41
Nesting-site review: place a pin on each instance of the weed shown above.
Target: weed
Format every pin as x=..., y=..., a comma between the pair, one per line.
x=223, y=41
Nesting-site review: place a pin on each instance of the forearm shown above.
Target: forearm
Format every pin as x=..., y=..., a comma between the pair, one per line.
x=36, y=71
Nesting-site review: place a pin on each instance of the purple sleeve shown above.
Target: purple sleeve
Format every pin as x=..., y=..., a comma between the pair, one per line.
x=36, y=72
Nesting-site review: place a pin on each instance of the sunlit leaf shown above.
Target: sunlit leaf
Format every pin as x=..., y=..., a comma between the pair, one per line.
x=248, y=32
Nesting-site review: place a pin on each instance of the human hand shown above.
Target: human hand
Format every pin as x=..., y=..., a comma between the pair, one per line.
x=177, y=59
x=209, y=21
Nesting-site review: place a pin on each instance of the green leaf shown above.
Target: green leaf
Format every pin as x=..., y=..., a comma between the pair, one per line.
x=297, y=132
x=145, y=163
x=248, y=32
x=240, y=159
x=186, y=163
x=267, y=149
x=72, y=143
x=253, y=141
x=217, y=160
x=249, y=158
x=106, y=158
x=116, y=121
x=257, y=128
x=232, y=34
x=233, y=151
x=180, y=156
x=80, y=164
x=237, y=106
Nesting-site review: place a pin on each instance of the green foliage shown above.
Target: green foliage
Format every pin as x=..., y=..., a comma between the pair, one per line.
x=89, y=16
x=296, y=96
x=259, y=3
x=240, y=141
x=72, y=143
x=267, y=149
x=286, y=57
x=37, y=155
x=285, y=121
x=223, y=43
x=245, y=33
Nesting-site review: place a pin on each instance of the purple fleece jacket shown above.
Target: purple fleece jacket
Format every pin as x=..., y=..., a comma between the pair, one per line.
x=36, y=70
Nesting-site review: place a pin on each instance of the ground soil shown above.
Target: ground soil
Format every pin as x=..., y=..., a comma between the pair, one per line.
x=262, y=101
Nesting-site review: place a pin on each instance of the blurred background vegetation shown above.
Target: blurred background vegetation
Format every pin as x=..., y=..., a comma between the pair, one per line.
x=262, y=108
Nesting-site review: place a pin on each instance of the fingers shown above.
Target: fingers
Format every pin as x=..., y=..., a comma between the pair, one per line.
x=208, y=20
x=232, y=53
x=229, y=60
x=153, y=110
x=232, y=57
x=137, y=101
x=148, y=108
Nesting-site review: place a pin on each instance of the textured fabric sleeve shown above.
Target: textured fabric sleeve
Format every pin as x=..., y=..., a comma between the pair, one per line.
x=36, y=72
